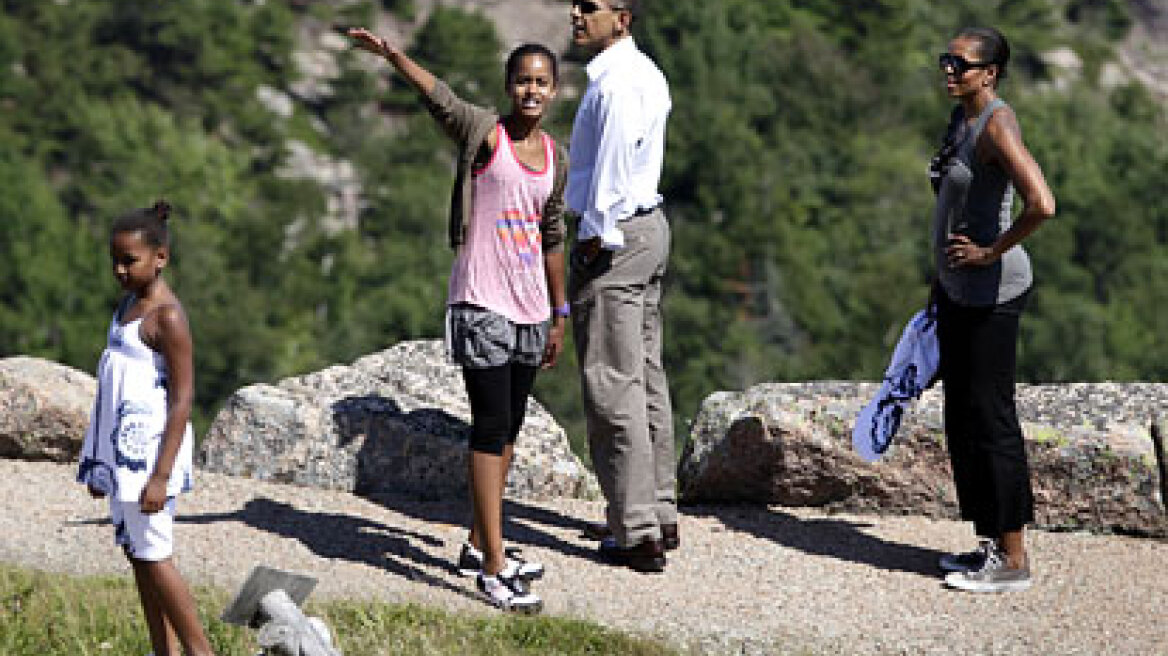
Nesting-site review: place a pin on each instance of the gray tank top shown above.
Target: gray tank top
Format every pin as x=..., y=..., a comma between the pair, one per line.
x=975, y=200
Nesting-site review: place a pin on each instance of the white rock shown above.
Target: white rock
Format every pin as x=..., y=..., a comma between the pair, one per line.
x=275, y=101
x=1063, y=58
x=392, y=422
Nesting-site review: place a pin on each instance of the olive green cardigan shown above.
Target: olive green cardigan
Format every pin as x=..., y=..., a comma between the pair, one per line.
x=468, y=125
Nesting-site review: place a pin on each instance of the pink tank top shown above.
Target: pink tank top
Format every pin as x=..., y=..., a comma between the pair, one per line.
x=500, y=266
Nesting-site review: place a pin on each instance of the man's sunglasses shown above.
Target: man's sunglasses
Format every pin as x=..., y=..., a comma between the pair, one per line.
x=958, y=64
x=591, y=7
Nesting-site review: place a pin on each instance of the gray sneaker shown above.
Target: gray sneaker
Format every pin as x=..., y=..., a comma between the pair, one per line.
x=969, y=561
x=993, y=576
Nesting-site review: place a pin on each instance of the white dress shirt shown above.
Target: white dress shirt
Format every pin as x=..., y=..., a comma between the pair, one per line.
x=618, y=142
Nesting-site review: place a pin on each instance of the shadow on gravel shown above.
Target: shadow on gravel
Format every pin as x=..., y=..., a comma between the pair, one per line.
x=524, y=524
x=837, y=538
x=436, y=490
x=342, y=537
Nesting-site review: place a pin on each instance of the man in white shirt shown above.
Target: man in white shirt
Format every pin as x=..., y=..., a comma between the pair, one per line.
x=617, y=150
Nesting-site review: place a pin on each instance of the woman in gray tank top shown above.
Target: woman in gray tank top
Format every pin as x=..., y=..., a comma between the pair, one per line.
x=982, y=280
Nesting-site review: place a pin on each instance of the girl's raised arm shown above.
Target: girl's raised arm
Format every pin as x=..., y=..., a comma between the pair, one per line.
x=422, y=79
x=457, y=117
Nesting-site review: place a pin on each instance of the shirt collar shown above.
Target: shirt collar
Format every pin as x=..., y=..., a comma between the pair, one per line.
x=610, y=57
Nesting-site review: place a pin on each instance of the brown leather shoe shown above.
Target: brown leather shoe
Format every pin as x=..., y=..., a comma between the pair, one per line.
x=648, y=556
x=670, y=538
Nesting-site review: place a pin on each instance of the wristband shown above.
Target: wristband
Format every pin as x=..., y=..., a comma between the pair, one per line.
x=564, y=310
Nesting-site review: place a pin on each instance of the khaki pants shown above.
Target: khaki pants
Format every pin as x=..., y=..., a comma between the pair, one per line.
x=616, y=318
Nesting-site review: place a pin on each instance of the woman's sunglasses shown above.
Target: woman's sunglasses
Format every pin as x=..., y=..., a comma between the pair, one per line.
x=591, y=7
x=958, y=64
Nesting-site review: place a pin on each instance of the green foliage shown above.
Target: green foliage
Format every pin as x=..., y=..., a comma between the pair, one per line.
x=123, y=103
x=463, y=49
x=1109, y=17
x=45, y=308
x=796, y=189
x=52, y=614
x=410, y=629
x=1098, y=261
x=790, y=220
x=794, y=182
x=55, y=615
x=403, y=8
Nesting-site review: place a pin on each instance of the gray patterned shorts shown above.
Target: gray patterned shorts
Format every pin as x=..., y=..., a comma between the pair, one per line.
x=478, y=338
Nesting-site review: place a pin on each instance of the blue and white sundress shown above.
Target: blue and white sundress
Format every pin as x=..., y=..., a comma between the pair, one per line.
x=125, y=428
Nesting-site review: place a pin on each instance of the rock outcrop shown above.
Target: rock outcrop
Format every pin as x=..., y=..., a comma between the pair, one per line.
x=516, y=21
x=394, y=422
x=337, y=177
x=1143, y=55
x=44, y=409
x=1090, y=448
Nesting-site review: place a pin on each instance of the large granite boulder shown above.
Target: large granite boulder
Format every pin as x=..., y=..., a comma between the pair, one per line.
x=393, y=422
x=1090, y=448
x=44, y=409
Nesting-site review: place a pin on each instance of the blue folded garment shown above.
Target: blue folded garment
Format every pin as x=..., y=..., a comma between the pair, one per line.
x=913, y=368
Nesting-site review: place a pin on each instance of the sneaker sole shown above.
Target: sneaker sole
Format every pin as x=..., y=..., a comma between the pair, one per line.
x=526, y=609
x=528, y=577
x=522, y=609
x=977, y=586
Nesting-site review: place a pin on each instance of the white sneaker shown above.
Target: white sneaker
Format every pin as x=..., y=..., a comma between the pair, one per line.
x=993, y=576
x=470, y=563
x=508, y=593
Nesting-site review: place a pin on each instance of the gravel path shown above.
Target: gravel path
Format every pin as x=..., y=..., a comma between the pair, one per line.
x=746, y=581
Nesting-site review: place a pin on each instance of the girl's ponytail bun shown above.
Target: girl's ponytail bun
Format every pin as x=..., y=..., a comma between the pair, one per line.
x=151, y=222
x=161, y=210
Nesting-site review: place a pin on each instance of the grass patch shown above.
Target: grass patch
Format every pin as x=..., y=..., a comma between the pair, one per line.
x=47, y=614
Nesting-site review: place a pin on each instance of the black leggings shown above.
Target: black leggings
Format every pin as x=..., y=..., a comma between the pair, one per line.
x=986, y=449
x=498, y=403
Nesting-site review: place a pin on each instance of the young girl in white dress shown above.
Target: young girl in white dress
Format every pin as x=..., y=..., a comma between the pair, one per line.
x=137, y=450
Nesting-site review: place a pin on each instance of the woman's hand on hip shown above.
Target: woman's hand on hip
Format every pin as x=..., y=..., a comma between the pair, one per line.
x=962, y=252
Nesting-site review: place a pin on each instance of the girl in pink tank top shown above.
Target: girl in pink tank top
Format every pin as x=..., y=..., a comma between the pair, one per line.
x=507, y=307
x=500, y=267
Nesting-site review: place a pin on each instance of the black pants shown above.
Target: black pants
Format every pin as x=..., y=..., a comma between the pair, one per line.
x=498, y=403
x=986, y=449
